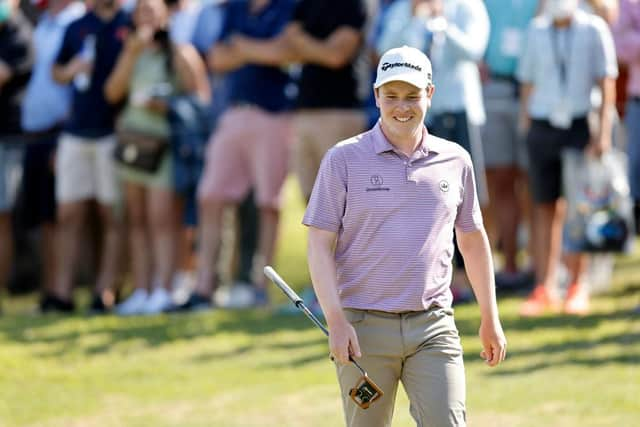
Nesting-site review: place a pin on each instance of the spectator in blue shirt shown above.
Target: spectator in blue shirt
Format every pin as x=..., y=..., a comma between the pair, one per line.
x=568, y=52
x=45, y=106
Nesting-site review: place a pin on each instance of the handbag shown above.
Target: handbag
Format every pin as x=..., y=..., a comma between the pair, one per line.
x=139, y=150
x=599, y=206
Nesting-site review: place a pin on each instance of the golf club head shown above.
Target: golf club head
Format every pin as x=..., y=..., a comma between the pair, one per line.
x=365, y=392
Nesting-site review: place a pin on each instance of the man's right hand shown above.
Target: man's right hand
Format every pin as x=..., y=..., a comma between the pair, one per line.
x=138, y=40
x=343, y=341
x=79, y=65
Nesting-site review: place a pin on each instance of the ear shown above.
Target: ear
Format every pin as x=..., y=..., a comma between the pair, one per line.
x=376, y=95
x=430, y=91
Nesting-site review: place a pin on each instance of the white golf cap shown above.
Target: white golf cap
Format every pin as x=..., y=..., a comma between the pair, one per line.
x=406, y=64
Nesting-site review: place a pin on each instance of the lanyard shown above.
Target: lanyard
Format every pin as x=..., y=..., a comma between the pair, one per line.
x=562, y=56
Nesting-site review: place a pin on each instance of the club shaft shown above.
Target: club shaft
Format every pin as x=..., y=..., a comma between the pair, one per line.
x=299, y=303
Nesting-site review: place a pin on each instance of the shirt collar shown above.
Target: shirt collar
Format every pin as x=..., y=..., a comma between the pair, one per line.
x=382, y=145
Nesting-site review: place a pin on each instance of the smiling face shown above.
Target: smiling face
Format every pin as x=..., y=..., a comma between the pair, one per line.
x=402, y=109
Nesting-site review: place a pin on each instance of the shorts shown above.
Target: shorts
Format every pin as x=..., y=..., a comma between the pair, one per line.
x=545, y=144
x=250, y=149
x=503, y=144
x=10, y=174
x=39, y=183
x=315, y=132
x=86, y=169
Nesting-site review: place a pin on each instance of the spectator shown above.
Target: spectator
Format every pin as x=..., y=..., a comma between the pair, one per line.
x=16, y=59
x=568, y=52
x=251, y=144
x=326, y=37
x=626, y=33
x=151, y=69
x=244, y=226
x=503, y=143
x=85, y=166
x=45, y=107
x=627, y=37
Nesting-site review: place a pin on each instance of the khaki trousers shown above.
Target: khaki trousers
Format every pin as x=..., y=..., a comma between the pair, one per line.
x=420, y=349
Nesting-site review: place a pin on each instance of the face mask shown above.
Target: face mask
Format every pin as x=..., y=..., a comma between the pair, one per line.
x=5, y=11
x=561, y=9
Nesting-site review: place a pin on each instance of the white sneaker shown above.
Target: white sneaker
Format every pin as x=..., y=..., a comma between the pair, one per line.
x=159, y=301
x=237, y=296
x=183, y=285
x=134, y=304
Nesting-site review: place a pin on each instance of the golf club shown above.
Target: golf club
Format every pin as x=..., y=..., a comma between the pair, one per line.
x=366, y=391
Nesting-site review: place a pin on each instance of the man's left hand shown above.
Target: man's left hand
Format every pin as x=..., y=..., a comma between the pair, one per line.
x=494, y=343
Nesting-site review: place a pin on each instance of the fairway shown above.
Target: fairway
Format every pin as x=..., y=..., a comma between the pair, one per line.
x=256, y=368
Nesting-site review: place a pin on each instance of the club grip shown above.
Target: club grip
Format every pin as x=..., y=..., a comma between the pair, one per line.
x=279, y=281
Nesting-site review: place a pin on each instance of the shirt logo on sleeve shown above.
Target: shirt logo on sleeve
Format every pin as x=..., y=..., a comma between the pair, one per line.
x=444, y=186
x=377, y=183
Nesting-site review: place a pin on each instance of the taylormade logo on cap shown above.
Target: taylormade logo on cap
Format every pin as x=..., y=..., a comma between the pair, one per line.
x=405, y=64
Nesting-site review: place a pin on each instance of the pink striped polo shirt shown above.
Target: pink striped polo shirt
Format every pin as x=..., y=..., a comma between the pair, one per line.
x=394, y=217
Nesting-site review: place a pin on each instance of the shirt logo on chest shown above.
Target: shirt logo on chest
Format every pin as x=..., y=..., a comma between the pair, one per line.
x=444, y=186
x=377, y=181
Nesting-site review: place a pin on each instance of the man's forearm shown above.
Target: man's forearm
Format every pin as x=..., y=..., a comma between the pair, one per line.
x=63, y=74
x=608, y=89
x=334, y=52
x=322, y=267
x=524, y=119
x=274, y=52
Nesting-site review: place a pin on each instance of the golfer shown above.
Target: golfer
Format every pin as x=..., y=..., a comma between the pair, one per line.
x=381, y=219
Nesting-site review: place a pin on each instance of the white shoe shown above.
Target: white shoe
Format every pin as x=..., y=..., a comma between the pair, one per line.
x=159, y=301
x=183, y=285
x=134, y=304
x=237, y=296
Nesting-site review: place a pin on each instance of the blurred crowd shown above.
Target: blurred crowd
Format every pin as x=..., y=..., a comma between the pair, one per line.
x=170, y=126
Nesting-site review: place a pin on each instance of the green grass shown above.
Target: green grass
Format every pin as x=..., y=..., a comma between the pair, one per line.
x=253, y=368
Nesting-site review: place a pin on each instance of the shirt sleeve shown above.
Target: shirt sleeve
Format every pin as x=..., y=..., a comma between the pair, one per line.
x=227, y=27
x=401, y=28
x=524, y=72
x=299, y=12
x=605, y=51
x=208, y=28
x=356, y=15
x=328, y=199
x=469, y=216
x=468, y=34
x=69, y=47
x=18, y=55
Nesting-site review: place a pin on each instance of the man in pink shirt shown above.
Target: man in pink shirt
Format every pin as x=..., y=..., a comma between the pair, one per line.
x=381, y=219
